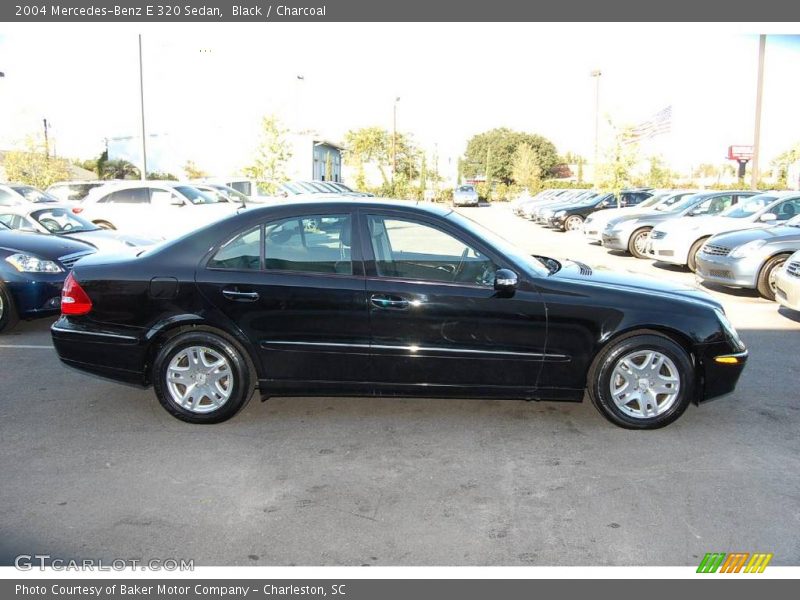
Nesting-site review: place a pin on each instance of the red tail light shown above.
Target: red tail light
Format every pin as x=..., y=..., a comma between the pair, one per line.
x=77, y=209
x=74, y=300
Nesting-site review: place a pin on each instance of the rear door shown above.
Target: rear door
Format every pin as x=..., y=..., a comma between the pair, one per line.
x=295, y=287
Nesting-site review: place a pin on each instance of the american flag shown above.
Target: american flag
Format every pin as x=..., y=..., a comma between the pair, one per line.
x=659, y=123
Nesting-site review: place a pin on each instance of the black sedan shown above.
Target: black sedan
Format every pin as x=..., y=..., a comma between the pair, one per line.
x=388, y=299
x=571, y=218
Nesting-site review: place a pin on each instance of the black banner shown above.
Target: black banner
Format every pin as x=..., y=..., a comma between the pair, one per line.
x=142, y=11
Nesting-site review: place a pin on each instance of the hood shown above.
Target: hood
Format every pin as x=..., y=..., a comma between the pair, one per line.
x=633, y=282
x=43, y=245
x=106, y=239
x=708, y=224
x=777, y=233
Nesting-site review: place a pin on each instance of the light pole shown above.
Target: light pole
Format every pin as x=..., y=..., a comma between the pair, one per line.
x=596, y=76
x=394, y=137
x=762, y=46
x=141, y=104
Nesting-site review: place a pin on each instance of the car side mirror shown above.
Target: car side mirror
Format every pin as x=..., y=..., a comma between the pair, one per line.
x=177, y=202
x=768, y=217
x=505, y=281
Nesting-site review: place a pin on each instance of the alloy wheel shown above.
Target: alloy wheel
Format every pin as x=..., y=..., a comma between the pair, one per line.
x=199, y=379
x=573, y=223
x=645, y=384
x=640, y=242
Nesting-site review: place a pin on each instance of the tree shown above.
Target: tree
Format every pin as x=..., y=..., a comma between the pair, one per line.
x=501, y=145
x=525, y=169
x=784, y=160
x=328, y=166
x=615, y=171
x=33, y=166
x=119, y=169
x=159, y=175
x=272, y=153
x=192, y=171
x=373, y=146
x=659, y=174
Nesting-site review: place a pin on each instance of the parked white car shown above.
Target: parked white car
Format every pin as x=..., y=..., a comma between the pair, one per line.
x=161, y=209
x=15, y=194
x=678, y=241
x=74, y=191
x=466, y=195
x=787, y=283
x=596, y=222
x=58, y=219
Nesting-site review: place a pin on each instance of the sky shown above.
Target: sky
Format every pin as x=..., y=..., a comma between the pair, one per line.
x=207, y=86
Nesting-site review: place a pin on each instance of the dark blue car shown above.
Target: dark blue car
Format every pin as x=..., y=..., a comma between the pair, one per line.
x=33, y=267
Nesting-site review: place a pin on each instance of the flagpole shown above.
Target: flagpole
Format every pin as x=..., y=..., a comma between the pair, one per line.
x=762, y=44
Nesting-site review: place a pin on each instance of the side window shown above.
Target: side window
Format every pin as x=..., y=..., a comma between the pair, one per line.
x=311, y=244
x=413, y=250
x=129, y=196
x=718, y=204
x=161, y=198
x=787, y=210
x=7, y=198
x=7, y=220
x=241, y=253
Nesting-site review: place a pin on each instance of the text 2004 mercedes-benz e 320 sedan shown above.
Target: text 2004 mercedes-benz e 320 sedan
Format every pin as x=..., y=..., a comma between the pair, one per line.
x=388, y=298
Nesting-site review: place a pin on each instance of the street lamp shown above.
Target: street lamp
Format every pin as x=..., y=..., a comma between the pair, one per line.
x=141, y=103
x=596, y=76
x=394, y=137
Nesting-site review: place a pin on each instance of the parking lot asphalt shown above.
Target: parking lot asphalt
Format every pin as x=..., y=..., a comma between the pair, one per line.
x=92, y=469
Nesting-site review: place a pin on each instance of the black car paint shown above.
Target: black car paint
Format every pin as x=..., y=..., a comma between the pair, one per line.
x=627, y=199
x=313, y=334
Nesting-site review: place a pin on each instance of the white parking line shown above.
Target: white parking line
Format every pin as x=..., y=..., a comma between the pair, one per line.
x=24, y=346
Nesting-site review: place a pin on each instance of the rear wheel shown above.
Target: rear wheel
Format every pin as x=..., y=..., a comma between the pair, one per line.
x=8, y=310
x=642, y=382
x=637, y=245
x=691, y=258
x=104, y=225
x=573, y=223
x=200, y=377
x=766, y=277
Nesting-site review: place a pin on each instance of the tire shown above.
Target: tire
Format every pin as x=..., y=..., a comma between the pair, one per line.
x=573, y=223
x=104, y=224
x=691, y=258
x=214, y=356
x=639, y=237
x=608, y=372
x=8, y=310
x=766, y=282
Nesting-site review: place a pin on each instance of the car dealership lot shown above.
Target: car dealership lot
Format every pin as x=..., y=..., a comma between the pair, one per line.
x=93, y=469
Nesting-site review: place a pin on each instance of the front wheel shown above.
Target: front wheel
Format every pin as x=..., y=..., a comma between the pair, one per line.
x=637, y=245
x=642, y=382
x=573, y=223
x=691, y=258
x=8, y=311
x=766, y=277
x=200, y=377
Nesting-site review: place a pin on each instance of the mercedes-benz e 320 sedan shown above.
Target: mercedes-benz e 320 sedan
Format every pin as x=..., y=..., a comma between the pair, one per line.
x=387, y=298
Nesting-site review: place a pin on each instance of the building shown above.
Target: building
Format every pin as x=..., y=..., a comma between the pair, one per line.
x=314, y=158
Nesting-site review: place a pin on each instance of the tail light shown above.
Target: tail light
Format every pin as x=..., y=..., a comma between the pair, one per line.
x=74, y=300
x=77, y=209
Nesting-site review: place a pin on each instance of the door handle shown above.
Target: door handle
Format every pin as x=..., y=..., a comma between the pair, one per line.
x=390, y=302
x=238, y=296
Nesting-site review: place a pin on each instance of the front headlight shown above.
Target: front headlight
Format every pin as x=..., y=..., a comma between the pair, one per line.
x=730, y=330
x=560, y=213
x=747, y=249
x=547, y=213
x=25, y=263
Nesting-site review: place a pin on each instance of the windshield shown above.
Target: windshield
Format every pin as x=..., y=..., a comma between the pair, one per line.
x=749, y=207
x=31, y=194
x=60, y=220
x=466, y=188
x=501, y=244
x=231, y=194
x=678, y=203
x=196, y=196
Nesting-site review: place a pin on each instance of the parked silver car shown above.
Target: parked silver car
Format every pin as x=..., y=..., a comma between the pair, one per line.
x=465, y=195
x=787, y=283
x=749, y=258
x=631, y=233
x=678, y=241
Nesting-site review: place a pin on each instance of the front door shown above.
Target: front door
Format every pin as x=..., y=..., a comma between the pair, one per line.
x=295, y=288
x=436, y=320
